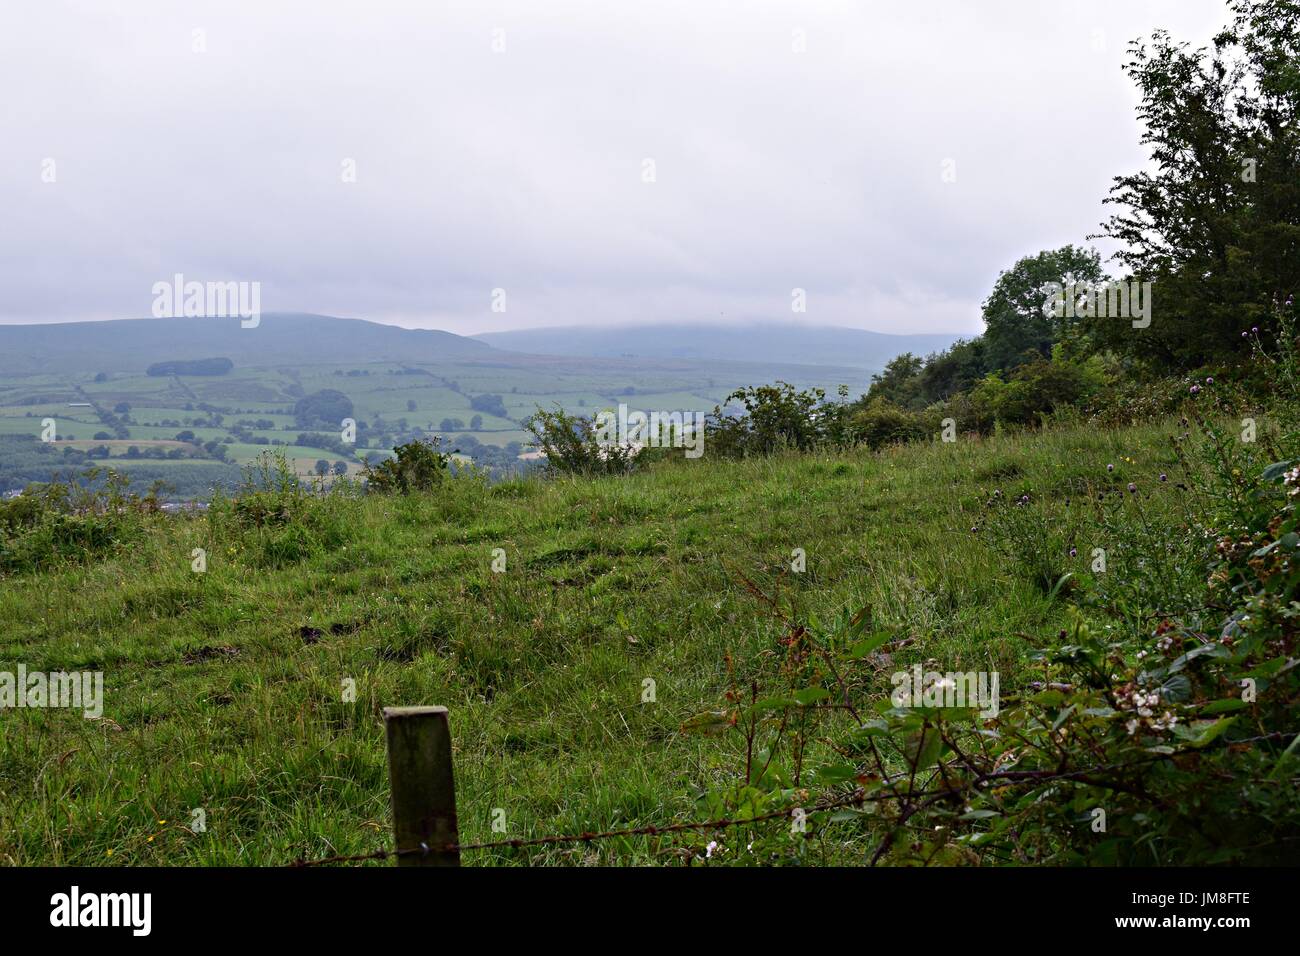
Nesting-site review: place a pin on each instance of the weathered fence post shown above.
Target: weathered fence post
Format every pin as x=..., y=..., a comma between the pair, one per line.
x=424, y=793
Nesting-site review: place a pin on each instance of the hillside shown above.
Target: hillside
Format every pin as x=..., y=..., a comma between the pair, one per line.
x=223, y=688
x=739, y=342
x=134, y=344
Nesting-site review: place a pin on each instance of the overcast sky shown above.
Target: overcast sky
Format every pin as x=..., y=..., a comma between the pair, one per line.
x=222, y=154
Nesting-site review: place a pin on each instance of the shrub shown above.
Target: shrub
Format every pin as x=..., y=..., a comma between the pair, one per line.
x=572, y=446
x=779, y=418
x=884, y=423
x=71, y=521
x=415, y=466
x=275, y=519
x=1159, y=727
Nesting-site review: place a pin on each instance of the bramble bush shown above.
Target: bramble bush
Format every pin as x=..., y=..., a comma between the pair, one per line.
x=72, y=520
x=415, y=466
x=1159, y=727
x=572, y=446
x=276, y=519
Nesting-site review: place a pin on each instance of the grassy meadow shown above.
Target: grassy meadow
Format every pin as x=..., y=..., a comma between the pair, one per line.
x=224, y=689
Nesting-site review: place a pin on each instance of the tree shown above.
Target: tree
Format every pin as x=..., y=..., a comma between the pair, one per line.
x=491, y=404
x=1017, y=317
x=1214, y=224
x=322, y=467
x=898, y=383
x=410, y=404
x=340, y=468
x=327, y=405
x=476, y=423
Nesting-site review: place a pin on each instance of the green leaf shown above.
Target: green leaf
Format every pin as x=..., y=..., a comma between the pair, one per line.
x=1223, y=706
x=1062, y=717
x=810, y=695
x=1214, y=730
x=865, y=647
x=922, y=749
x=1276, y=470
x=835, y=773
x=1059, y=584
x=1176, y=689
x=709, y=722
x=1286, y=755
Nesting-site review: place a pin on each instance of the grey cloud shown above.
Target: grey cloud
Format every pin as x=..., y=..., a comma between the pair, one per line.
x=522, y=170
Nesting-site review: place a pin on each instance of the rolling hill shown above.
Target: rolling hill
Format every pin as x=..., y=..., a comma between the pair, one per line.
x=751, y=342
x=281, y=337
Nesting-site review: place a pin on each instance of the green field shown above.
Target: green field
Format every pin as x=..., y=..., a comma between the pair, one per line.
x=224, y=688
x=393, y=402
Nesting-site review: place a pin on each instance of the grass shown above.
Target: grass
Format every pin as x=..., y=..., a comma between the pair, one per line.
x=224, y=690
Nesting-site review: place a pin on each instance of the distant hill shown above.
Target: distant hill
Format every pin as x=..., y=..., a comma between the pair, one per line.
x=300, y=339
x=753, y=342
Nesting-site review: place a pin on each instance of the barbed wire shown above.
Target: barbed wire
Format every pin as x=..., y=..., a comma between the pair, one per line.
x=857, y=798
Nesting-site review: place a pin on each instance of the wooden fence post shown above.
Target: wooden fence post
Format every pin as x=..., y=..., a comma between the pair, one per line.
x=424, y=792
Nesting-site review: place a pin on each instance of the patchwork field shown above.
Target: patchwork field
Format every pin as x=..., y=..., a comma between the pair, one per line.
x=251, y=410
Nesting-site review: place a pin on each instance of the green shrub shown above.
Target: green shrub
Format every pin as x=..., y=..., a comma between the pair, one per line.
x=71, y=521
x=1159, y=727
x=573, y=447
x=883, y=423
x=777, y=418
x=275, y=519
x=415, y=466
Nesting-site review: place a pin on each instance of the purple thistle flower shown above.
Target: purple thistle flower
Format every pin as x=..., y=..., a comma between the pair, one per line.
x=1132, y=487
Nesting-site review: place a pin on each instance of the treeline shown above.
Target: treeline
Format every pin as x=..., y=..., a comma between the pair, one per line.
x=210, y=366
x=1210, y=246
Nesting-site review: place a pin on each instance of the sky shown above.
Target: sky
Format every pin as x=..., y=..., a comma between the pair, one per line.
x=492, y=165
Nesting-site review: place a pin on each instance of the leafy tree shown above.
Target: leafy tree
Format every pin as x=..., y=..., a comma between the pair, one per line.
x=1214, y=223
x=327, y=405
x=899, y=384
x=1017, y=315
x=490, y=404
